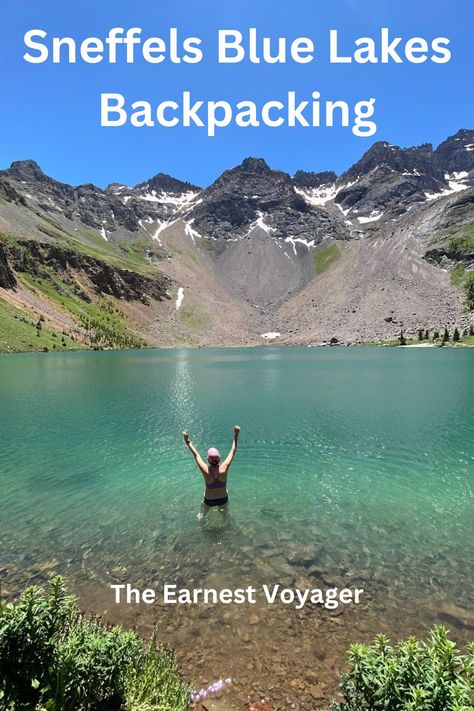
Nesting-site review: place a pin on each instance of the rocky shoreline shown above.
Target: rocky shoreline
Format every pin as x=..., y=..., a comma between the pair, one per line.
x=292, y=657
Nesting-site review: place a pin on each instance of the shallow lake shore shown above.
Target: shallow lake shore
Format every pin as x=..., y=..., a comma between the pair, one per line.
x=354, y=470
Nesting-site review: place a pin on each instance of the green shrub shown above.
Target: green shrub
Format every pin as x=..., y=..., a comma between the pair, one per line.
x=413, y=676
x=461, y=246
x=155, y=684
x=53, y=658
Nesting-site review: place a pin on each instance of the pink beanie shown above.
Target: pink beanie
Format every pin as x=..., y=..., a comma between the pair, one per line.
x=213, y=452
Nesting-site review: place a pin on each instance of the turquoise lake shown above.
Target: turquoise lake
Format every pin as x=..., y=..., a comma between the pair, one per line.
x=355, y=467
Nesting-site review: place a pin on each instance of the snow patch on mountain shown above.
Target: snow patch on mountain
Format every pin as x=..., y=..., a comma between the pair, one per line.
x=344, y=212
x=301, y=240
x=190, y=231
x=169, y=198
x=324, y=193
x=317, y=196
x=179, y=298
x=373, y=217
x=148, y=220
x=456, y=182
x=162, y=226
x=260, y=222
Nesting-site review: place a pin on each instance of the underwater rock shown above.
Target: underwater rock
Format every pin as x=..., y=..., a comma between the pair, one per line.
x=259, y=706
x=317, y=693
x=271, y=513
x=457, y=616
x=303, y=556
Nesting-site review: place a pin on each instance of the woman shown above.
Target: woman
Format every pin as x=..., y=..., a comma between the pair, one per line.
x=215, y=474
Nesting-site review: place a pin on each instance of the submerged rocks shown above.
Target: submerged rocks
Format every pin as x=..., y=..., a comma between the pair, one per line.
x=302, y=556
x=458, y=616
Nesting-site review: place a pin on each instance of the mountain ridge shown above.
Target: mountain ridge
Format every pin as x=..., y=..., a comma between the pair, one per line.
x=250, y=245
x=460, y=135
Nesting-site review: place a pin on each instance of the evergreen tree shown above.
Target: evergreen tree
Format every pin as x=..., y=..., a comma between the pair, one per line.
x=420, y=334
x=445, y=334
x=401, y=339
x=456, y=336
x=469, y=288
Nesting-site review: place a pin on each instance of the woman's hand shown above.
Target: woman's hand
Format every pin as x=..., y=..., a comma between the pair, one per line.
x=186, y=436
x=236, y=431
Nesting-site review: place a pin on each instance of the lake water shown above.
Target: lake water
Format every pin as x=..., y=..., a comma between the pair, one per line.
x=355, y=468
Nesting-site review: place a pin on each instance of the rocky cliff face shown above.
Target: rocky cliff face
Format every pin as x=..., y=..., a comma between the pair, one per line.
x=30, y=257
x=416, y=161
x=86, y=203
x=107, y=211
x=388, y=180
x=7, y=278
x=8, y=192
x=305, y=179
x=456, y=154
x=253, y=195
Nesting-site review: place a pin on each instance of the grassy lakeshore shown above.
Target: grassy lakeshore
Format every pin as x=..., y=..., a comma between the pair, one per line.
x=20, y=334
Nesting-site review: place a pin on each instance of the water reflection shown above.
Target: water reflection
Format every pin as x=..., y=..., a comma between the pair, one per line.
x=181, y=393
x=353, y=467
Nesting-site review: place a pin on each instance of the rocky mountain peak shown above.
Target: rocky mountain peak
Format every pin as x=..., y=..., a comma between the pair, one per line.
x=388, y=179
x=164, y=183
x=253, y=178
x=456, y=153
x=416, y=161
x=255, y=165
x=27, y=170
x=254, y=195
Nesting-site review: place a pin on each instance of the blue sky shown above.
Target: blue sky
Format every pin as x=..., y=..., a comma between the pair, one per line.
x=51, y=112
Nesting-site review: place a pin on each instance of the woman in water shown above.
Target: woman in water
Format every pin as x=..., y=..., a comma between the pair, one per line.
x=214, y=473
